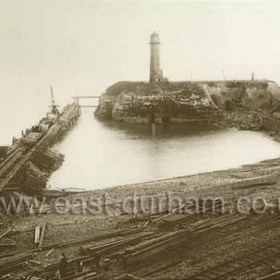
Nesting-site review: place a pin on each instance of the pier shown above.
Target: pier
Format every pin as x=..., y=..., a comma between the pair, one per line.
x=35, y=143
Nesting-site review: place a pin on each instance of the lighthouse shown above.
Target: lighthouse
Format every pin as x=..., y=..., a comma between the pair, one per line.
x=155, y=70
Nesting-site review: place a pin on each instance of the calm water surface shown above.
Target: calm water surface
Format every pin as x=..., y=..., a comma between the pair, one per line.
x=100, y=154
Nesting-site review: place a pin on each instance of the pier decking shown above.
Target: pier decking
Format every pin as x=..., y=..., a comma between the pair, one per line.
x=22, y=150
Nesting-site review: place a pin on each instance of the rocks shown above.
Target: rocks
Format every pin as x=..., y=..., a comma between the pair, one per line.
x=165, y=102
x=138, y=102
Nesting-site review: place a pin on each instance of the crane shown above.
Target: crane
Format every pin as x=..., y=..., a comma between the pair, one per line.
x=54, y=107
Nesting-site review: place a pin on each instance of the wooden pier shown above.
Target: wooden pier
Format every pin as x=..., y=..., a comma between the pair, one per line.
x=22, y=151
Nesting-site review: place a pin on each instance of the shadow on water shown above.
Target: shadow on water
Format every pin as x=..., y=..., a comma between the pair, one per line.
x=161, y=130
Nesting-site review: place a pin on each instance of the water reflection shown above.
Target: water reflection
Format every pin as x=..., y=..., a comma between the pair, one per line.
x=101, y=154
x=158, y=130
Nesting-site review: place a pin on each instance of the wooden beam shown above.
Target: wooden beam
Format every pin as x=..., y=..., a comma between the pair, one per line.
x=50, y=251
x=43, y=234
x=5, y=232
x=37, y=235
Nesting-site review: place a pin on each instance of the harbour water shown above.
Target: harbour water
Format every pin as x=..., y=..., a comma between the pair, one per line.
x=101, y=154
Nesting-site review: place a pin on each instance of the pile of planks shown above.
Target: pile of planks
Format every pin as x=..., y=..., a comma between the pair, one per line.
x=159, y=246
x=10, y=264
x=38, y=170
x=71, y=270
x=47, y=160
x=109, y=248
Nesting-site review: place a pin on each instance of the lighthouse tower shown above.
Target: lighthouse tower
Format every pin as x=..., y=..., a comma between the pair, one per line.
x=155, y=70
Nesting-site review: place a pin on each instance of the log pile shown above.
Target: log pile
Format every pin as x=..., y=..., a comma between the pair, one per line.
x=48, y=160
x=35, y=179
x=39, y=169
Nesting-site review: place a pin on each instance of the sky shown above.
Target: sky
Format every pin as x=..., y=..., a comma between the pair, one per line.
x=83, y=46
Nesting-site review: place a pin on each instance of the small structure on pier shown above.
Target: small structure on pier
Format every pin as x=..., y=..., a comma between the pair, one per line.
x=78, y=97
x=54, y=106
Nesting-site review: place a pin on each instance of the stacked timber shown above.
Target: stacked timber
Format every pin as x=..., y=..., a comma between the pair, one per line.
x=35, y=180
x=10, y=264
x=108, y=248
x=39, y=169
x=48, y=160
x=155, y=248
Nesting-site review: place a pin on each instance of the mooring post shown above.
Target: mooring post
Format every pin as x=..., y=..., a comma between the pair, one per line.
x=153, y=129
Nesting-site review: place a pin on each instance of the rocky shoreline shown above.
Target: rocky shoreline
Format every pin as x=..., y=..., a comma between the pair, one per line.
x=139, y=102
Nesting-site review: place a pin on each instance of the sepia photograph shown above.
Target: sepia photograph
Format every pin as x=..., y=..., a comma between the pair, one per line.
x=139, y=140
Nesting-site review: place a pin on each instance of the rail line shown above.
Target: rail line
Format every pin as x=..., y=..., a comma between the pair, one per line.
x=240, y=263
x=175, y=241
x=176, y=256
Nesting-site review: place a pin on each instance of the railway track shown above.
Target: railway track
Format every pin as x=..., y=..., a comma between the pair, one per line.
x=73, y=269
x=226, y=236
x=168, y=250
x=262, y=255
x=178, y=245
x=154, y=245
x=138, y=256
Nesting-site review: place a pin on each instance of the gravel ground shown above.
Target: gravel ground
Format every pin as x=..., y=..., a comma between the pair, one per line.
x=228, y=184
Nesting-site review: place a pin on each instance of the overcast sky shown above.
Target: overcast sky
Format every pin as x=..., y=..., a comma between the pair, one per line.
x=82, y=46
